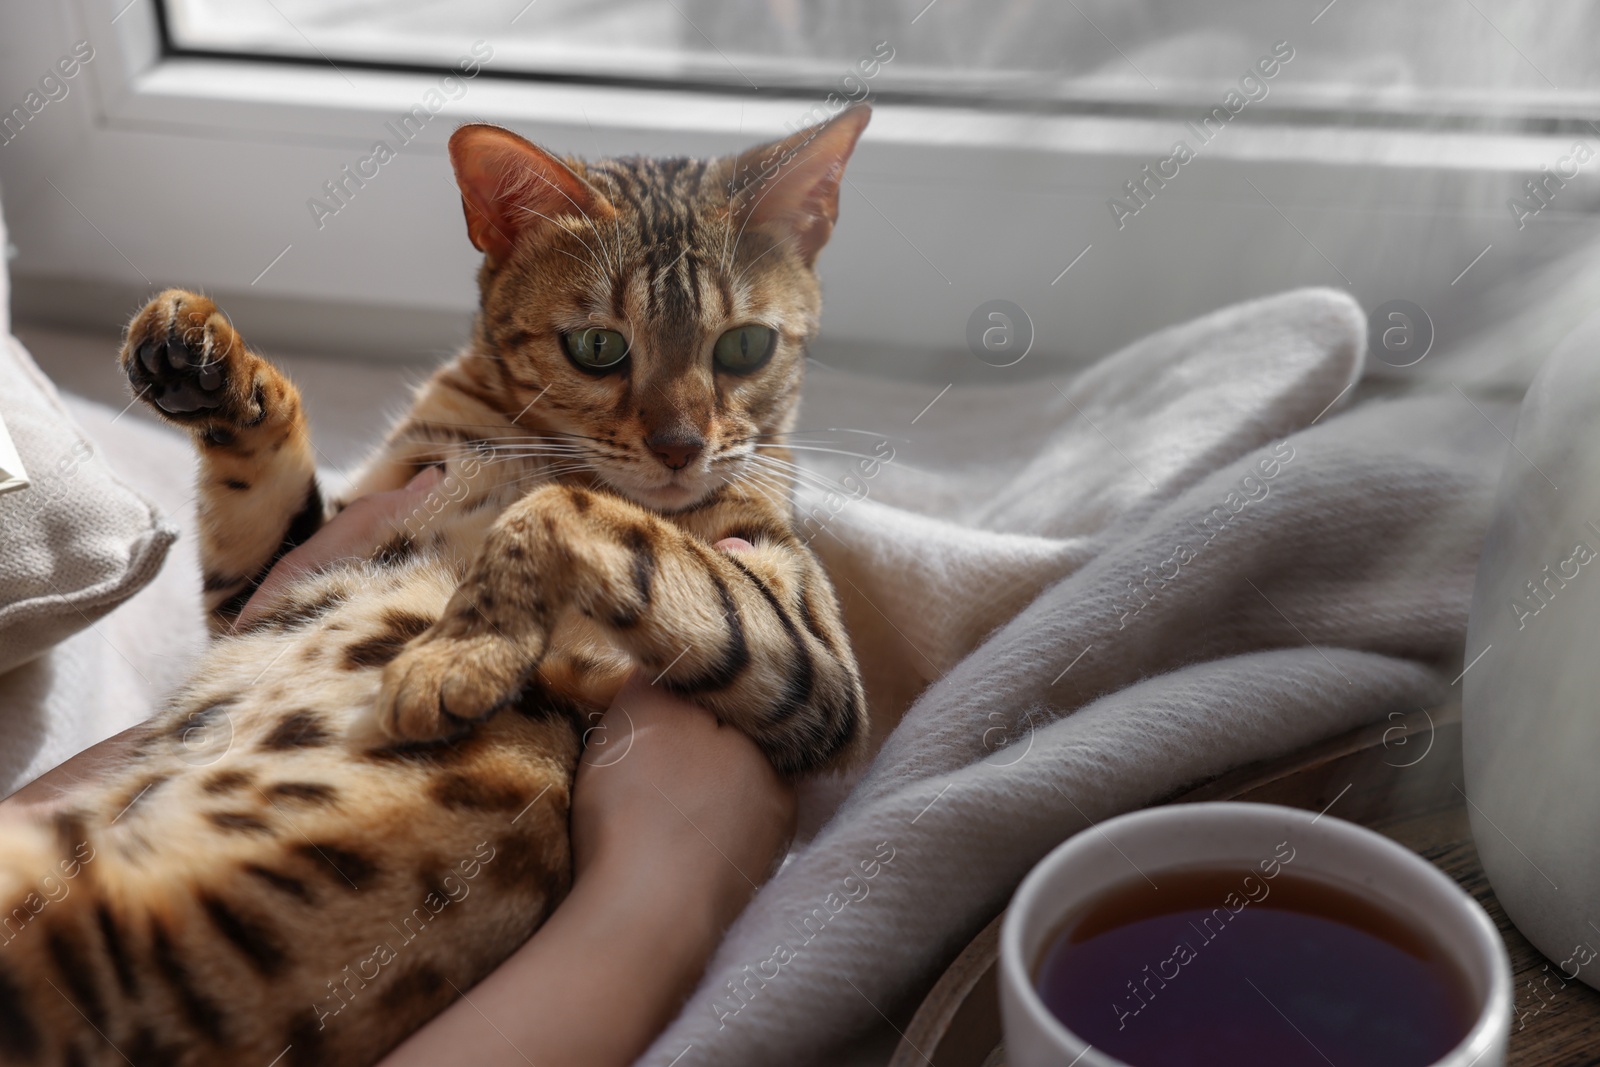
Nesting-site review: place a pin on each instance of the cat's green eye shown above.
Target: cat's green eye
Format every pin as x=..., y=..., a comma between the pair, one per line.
x=595, y=349
x=744, y=348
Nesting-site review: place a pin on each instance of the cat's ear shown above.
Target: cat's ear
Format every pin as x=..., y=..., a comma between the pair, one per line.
x=793, y=184
x=511, y=186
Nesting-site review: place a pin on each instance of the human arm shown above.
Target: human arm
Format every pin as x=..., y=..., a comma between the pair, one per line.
x=676, y=819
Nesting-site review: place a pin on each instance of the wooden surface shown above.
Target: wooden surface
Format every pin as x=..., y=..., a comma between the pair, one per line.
x=1401, y=778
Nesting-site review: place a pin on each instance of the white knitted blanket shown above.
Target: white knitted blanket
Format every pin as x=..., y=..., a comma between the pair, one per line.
x=1185, y=559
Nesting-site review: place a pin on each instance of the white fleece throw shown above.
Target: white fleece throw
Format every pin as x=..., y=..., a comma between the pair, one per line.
x=1193, y=559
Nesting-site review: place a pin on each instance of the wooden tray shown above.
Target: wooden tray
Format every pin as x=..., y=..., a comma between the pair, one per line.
x=1401, y=778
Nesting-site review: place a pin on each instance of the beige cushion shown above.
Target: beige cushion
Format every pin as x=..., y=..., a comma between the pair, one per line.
x=76, y=542
x=104, y=679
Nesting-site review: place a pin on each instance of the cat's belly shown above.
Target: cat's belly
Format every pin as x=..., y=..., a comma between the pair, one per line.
x=268, y=872
x=328, y=639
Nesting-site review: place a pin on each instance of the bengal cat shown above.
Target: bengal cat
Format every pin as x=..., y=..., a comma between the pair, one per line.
x=357, y=806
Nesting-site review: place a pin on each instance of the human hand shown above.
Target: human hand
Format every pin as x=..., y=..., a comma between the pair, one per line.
x=665, y=791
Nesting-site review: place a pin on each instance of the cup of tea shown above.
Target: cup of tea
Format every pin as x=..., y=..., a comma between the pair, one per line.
x=1244, y=934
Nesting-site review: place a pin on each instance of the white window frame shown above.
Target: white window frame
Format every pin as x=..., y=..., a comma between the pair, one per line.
x=162, y=170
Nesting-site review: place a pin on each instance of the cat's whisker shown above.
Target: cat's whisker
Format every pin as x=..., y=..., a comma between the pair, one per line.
x=511, y=457
x=770, y=500
x=794, y=483
x=754, y=479
x=805, y=476
x=548, y=440
x=778, y=445
x=492, y=456
x=541, y=461
x=801, y=478
x=568, y=463
x=828, y=429
x=779, y=463
x=536, y=445
x=544, y=476
x=881, y=460
x=795, y=473
x=818, y=448
x=504, y=425
x=579, y=436
x=772, y=475
x=484, y=444
x=562, y=456
x=492, y=431
x=531, y=446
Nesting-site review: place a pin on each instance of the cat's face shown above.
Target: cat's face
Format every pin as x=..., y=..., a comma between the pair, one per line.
x=651, y=316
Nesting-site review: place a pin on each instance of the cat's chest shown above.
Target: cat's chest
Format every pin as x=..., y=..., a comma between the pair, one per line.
x=453, y=519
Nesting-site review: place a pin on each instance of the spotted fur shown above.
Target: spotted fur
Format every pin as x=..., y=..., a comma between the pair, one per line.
x=357, y=806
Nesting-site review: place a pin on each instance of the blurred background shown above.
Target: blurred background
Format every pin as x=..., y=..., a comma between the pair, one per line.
x=1425, y=57
x=1443, y=153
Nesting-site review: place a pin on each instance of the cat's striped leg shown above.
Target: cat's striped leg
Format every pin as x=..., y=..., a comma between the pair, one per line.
x=755, y=637
x=257, y=489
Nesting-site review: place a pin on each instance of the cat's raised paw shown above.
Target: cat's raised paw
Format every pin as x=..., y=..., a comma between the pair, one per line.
x=440, y=685
x=183, y=357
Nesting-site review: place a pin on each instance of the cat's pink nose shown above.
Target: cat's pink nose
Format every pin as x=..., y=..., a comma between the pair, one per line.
x=676, y=450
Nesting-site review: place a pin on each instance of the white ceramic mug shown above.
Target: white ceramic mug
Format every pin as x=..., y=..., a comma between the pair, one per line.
x=1235, y=834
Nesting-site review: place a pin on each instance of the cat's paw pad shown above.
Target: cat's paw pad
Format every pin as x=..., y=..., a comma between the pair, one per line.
x=440, y=685
x=183, y=357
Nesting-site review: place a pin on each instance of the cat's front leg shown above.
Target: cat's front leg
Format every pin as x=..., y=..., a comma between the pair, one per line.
x=257, y=493
x=756, y=639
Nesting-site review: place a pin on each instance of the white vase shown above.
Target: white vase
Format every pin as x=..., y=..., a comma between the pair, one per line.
x=1531, y=704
